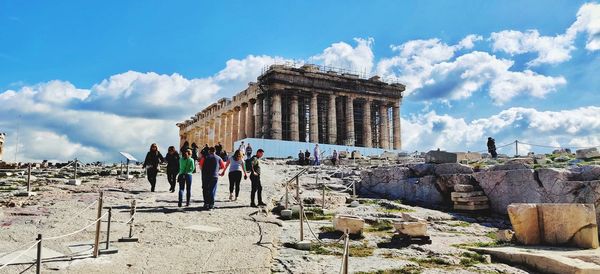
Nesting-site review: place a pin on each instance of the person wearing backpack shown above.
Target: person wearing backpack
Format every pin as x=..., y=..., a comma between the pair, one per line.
x=248, y=151
x=253, y=165
x=210, y=166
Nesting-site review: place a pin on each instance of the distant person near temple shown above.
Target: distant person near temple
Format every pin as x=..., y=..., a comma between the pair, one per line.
x=153, y=159
x=491, y=145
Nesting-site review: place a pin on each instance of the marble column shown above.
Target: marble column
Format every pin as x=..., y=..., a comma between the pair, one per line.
x=258, y=118
x=229, y=131
x=276, y=131
x=294, y=126
x=217, y=131
x=242, y=126
x=350, y=121
x=384, y=139
x=223, y=130
x=367, y=137
x=235, y=127
x=397, y=126
x=314, y=118
x=266, y=118
x=331, y=121
x=250, y=119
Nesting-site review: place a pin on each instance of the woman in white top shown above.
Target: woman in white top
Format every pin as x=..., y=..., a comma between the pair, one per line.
x=236, y=169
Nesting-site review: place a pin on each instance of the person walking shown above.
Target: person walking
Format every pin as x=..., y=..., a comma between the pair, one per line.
x=153, y=158
x=186, y=168
x=306, y=157
x=218, y=148
x=334, y=157
x=254, y=168
x=204, y=151
x=172, y=159
x=209, y=167
x=301, y=158
x=184, y=147
x=242, y=147
x=236, y=170
x=248, y=151
x=195, y=154
x=317, y=152
x=491, y=144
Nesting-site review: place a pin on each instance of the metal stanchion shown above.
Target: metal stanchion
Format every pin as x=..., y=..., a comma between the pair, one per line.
x=28, y=179
x=38, y=261
x=297, y=188
x=301, y=221
x=131, y=214
x=97, y=239
x=346, y=252
x=287, y=200
x=323, y=195
x=108, y=250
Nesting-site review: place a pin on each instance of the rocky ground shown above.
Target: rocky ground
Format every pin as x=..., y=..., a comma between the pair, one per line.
x=236, y=238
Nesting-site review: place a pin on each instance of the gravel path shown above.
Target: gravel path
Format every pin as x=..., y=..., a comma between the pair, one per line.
x=172, y=240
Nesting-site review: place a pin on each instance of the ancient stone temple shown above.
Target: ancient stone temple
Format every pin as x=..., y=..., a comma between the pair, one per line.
x=2, y=136
x=304, y=104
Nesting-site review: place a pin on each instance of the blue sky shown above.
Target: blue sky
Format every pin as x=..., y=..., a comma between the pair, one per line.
x=89, y=78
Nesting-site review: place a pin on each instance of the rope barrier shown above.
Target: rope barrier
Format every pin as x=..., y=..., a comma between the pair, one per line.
x=75, y=232
x=340, y=191
x=309, y=228
x=22, y=253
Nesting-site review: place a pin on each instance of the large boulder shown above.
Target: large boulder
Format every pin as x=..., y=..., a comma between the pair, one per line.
x=509, y=166
x=506, y=187
x=452, y=168
x=352, y=224
x=448, y=182
x=524, y=219
x=468, y=156
x=587, y=153
x=422, y=169
x=555, y=224
x=440, y=157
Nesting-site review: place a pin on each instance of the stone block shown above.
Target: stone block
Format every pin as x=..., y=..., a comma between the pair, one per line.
x=569, y=224
x=471, y=206
x=303, y=245
x=452, y=168
x=413, y=229
x=75, y=182
x=421, y=170
x=466, y=194
x=468, y=156
x=356, y=154
x=440, y=157
x=505, y=235
x=587, y=153
x=470, y=199
x=353, y=224
x=511, y=166
x=446, y=182
x=354, y=204
x=286, y=213
x=464, y=188
x=509, y=186
x=524, y=161
x=524, y=219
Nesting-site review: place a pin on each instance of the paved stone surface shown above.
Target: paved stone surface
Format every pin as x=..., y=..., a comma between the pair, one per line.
x=222, y=240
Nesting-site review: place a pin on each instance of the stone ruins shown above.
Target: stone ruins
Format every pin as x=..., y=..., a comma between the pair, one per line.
x=2, y=136
x=308, y=103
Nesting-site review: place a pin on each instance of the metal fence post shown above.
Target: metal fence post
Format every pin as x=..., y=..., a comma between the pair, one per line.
x=287, y=202
x=38, y=261
x=301, y=221
x=108, y=228
x=97, y=239
x=28, y=179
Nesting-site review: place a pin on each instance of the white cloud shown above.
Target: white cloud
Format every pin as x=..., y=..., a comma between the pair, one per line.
x=588, y=21
x=552, y=49
x=576, y=127
x=469, y=41
x=430, y=71
x=343, y=55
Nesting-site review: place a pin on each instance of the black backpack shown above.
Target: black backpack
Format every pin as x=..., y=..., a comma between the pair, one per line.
x=248, y=163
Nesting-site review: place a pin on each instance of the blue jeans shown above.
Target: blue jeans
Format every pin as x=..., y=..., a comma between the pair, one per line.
x=185, y=185
x=317, y=161
x=209, y=190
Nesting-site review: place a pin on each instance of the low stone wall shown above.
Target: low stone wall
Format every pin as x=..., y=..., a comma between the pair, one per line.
x=431, y=184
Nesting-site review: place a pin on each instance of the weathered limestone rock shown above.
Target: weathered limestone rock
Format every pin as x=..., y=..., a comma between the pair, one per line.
x=569, y=224
x=421, y=170
x=524, y=219
x=506, y=187
x=555, y=224
x=589, y=173
x=587, y=153
x=452, y=168
x=353, y=224
x=505, y=235
x=440, y=157
x=463, y=188
x=525, y=161
x=286, y=214
x=468, y=156
x=447, y=182
x=356, y=154
x=511, y=166
x=395, y=183
x=413, y=229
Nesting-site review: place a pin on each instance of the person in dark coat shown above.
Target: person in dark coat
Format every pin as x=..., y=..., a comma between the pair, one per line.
x=184, y=148
x=153, y=159
x=172, y=159
x=195, y=153
x=306, y=157
x=218, y=148
x=491, y=144
x=204, y=151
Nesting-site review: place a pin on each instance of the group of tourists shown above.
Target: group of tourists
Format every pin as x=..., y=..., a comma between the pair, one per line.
x=211, y=164
x=304, y=157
